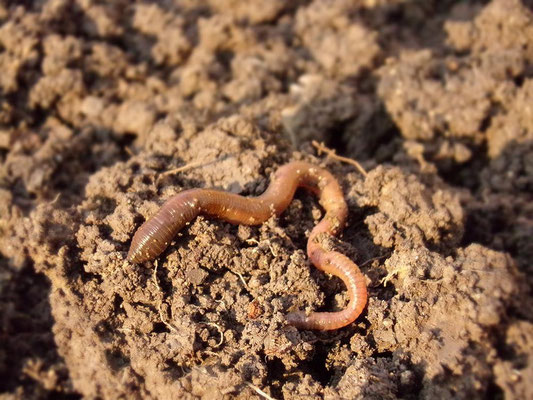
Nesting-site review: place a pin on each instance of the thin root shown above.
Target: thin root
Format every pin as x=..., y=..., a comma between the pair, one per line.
x=331, y=153
x=259, y=391
x=241, y=277
x=161, y=316
x=219, y=329
x=182, y=168
x=374, y=259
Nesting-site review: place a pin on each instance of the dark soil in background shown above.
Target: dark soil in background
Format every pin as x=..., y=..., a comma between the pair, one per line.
x=100, y=101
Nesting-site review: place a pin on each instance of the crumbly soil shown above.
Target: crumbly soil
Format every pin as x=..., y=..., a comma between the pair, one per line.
x=102, y=103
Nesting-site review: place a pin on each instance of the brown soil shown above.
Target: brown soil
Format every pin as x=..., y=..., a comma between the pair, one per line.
x=100, y=101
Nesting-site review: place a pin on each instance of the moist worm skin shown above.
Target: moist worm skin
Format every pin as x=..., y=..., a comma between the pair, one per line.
x=153, y=237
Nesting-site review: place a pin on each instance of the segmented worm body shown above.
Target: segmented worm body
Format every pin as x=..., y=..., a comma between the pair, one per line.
x=153, y=237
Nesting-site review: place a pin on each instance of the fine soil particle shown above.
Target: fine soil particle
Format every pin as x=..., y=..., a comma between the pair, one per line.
x=109, y=108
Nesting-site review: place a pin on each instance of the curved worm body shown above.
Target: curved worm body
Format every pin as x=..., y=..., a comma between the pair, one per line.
x=153, y=237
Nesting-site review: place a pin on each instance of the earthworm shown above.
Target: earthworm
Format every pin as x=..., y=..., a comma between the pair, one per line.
x=153, y=237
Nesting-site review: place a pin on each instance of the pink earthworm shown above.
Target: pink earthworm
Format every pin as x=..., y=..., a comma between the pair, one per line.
x=153, y=237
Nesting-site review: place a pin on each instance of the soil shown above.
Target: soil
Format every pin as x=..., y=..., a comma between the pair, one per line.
x=102, y=102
